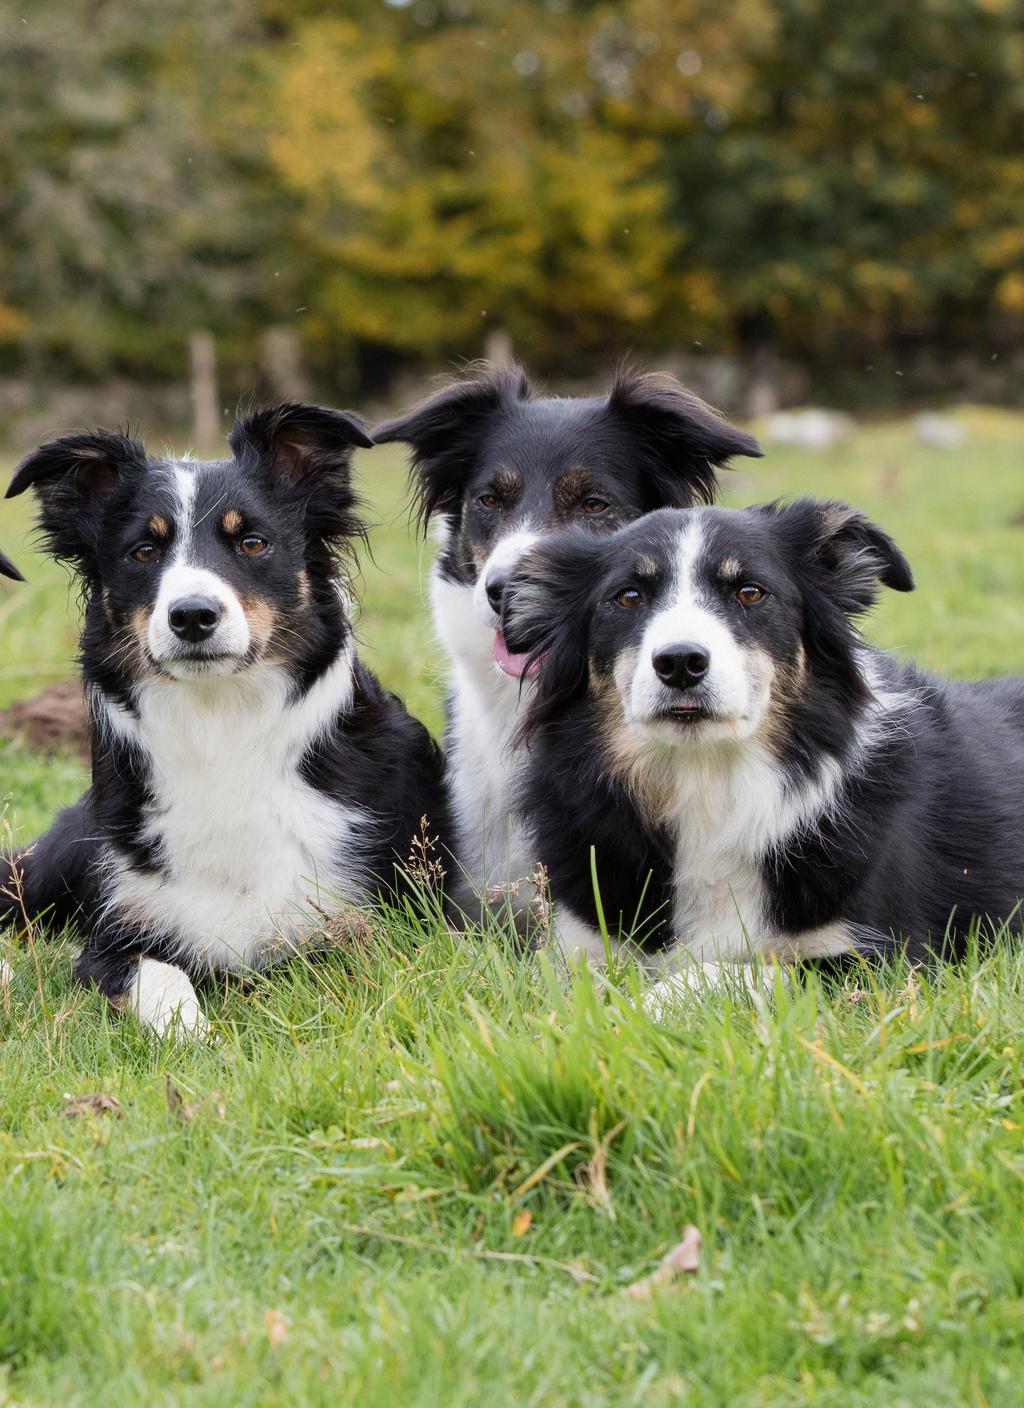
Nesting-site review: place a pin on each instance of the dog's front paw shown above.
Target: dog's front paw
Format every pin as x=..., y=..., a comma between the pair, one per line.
x=163, y=999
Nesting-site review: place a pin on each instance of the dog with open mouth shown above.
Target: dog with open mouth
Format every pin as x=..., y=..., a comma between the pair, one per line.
x=753, y=778
x=248, y=771
x=497, y=469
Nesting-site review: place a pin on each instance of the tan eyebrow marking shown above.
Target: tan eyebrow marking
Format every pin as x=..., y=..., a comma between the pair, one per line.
x=507, y=483
x=729, y=568
x=232, y=521
x=158, y=526
x=572, y=486
x=645, y=567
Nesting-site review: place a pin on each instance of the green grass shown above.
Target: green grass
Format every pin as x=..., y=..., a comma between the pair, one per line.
x=340, y=1219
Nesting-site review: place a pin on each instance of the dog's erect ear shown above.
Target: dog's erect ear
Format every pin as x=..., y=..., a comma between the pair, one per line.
x=300, y=442
x=8, y=569
x=850, y=555
x=306, y=453
x=546, y=615
x=445, y=432
x=73, y=479
x=682, y=440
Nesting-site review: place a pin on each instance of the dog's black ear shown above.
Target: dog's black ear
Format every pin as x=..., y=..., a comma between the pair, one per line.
x=306, y=453
x=546, y=614
x=445, y=432
x=300, y=442
x=73, y=479
x=850, y=556
x=8, y=569
x=682, y=440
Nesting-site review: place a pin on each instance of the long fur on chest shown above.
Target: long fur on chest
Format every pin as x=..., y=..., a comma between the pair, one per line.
x=242, y=846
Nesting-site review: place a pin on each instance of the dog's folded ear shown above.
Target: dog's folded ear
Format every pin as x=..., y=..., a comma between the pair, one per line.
x=841, y=544
x=682, y=440
x=8, y=569
x=73, y=478
x=446, y=429
x=546, y=615
x=300, y=442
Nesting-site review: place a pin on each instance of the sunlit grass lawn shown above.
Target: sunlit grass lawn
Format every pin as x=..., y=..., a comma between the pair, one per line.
x=343, y=1217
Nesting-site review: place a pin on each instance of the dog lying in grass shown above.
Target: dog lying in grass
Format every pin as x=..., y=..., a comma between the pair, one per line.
x=247, y=770
x=754, y=779
x=496, y=469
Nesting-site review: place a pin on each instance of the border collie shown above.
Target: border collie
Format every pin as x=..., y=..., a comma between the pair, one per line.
x=498, y=468
x=754, y=779
x=248, y=770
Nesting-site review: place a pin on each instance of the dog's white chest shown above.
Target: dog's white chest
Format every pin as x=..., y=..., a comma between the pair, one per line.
x=247, y=847
x=493, y=846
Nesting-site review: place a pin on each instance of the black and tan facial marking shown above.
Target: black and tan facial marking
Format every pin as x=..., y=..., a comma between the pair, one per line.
x=596, y=462
x=771, y=592
x=264, y=534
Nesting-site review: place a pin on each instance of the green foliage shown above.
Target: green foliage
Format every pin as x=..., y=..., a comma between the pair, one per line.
x=396, y=180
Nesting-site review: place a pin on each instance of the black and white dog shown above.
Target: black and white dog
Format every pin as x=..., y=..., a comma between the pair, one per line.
x=497, y=469
x=247, y=768
x=753, y=777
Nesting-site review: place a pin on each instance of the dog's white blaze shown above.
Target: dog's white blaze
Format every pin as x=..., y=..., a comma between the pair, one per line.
x=491, y=845
x=246, y=844
x=734, y=688
x=163, y=999
x=503, y=557
x=182, y=578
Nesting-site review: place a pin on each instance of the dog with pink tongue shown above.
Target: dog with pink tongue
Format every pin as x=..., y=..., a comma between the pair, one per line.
x=495, y=467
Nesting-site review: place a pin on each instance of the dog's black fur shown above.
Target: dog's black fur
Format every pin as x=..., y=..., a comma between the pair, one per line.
x=268, y=529
x=924, y=831
x=554, y=461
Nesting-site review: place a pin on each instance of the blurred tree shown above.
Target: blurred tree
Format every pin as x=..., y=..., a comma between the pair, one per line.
x=396, y=179
x=124, y=222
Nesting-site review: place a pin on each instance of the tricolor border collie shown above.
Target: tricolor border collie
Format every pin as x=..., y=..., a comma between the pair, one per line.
x=248, y=770
x=754, y=779
x=497, y=468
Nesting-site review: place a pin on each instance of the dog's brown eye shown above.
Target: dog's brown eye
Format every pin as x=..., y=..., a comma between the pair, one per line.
x=595, y=505
x=750, y=595
x=630, y=599
x=490, y=501
x=252, y=545
x=145, y=552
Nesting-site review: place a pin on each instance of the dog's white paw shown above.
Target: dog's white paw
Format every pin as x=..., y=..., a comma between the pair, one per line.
x=163, y=999
x=697, y=978
x=6, y=973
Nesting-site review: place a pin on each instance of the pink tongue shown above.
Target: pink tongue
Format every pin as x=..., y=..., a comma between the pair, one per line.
x=514, y=665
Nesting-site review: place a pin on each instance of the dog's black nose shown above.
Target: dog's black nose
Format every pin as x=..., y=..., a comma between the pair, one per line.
x=495, y=589
x=194, y=618
x=681, y=666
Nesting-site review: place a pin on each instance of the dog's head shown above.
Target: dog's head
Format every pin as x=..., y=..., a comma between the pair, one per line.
x=497, y=468
x=195, y=570
x=704, y=625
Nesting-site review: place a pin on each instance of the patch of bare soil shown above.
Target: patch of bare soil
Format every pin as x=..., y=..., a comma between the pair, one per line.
x=55, y=721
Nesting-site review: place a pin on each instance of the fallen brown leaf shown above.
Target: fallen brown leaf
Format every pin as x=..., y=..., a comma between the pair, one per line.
x=684, y=1258
x=186, y=1112
x=96, y=1104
